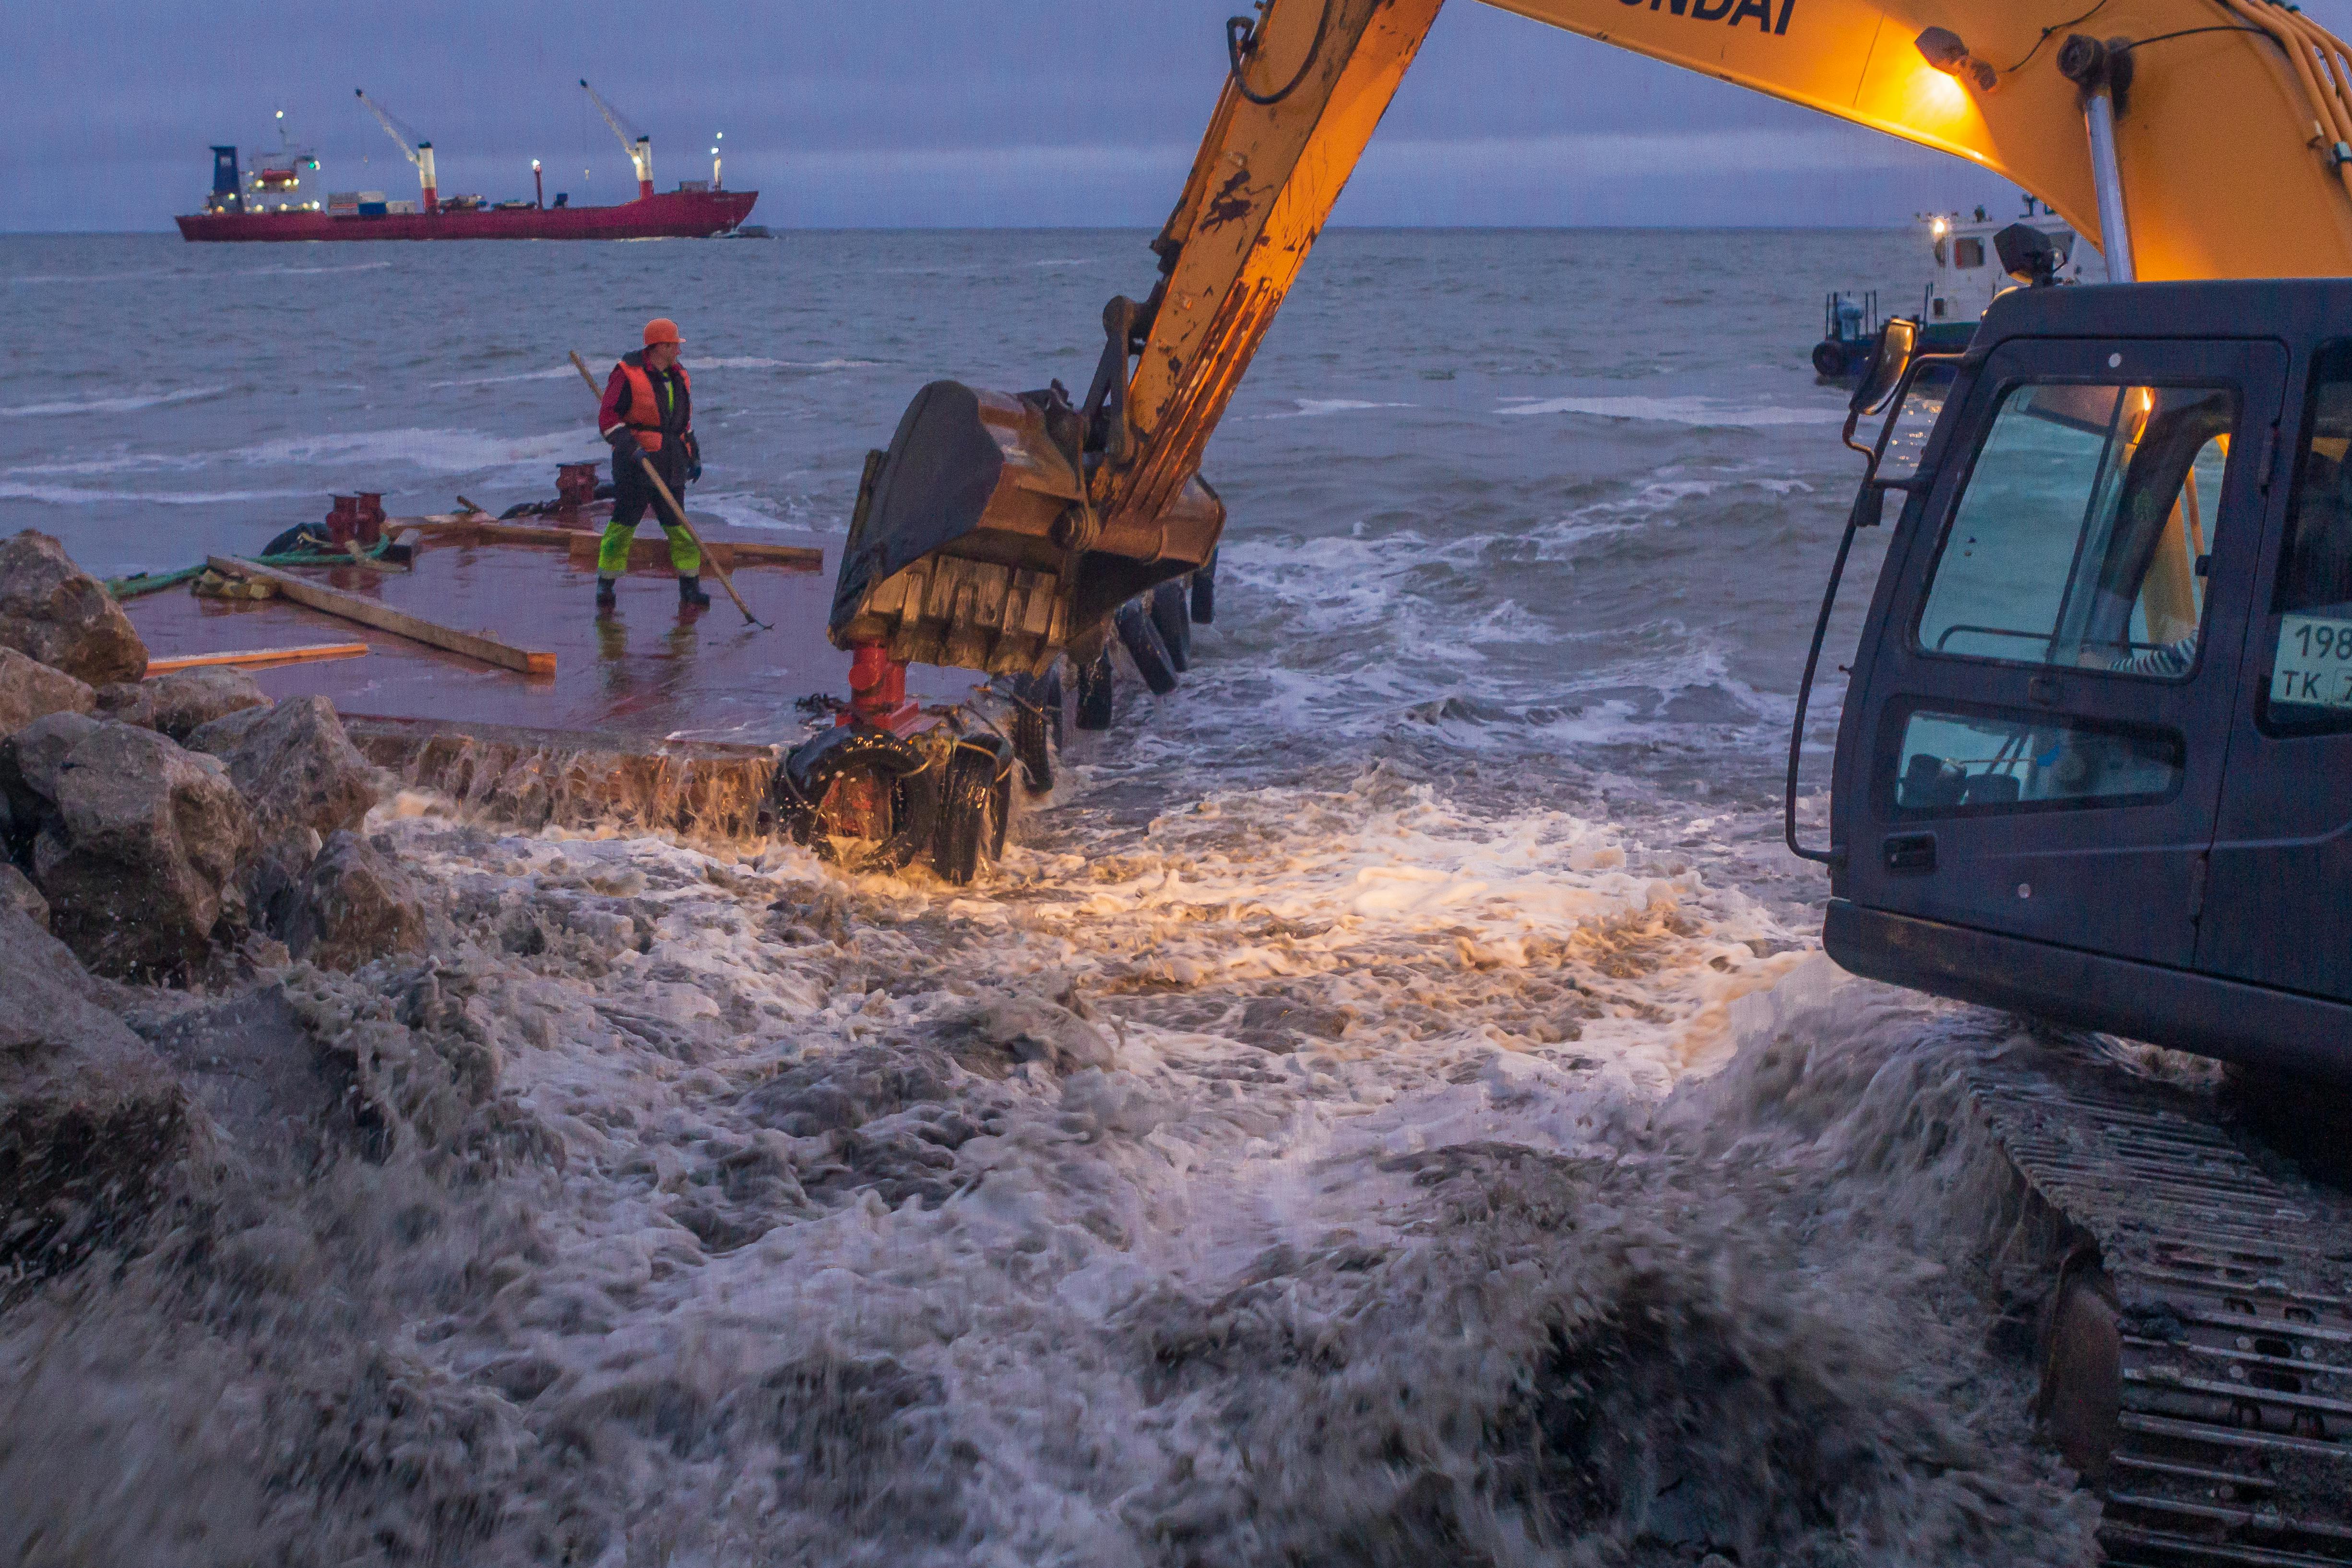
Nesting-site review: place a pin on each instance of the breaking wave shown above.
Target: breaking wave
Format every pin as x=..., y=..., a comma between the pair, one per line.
x=1698, y=410
x=65, y=495
x=126, y=404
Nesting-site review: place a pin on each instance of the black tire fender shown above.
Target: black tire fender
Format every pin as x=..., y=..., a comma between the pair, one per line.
x=1097, y=687
x=809, y=770
x=1175, y=627
x=1828, y=359
x=974, y=808
x=1204, y=590
x=1142, y=639
x=1033, y=727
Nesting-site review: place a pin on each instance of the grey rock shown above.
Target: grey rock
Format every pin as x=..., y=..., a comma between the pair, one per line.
x=30, y=690
x=261, y=1079
x=90, y=1120
x=220, y=736
x=1035, y=1029
x=137, y=842
x=53, y=611
x=354, y=905
x=296, y=766
x=17, y=893
x=30, y=761
x=178, y=704
x=1279, y=1023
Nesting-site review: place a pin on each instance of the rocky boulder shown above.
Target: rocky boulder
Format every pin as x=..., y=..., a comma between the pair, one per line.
x=59, y=614
x=30, y=761
x=30, y=690
x=17, y=893
x=177, y=704
x=90, y=1120
x=356, y=904
x=135, y=842
x=295, y=766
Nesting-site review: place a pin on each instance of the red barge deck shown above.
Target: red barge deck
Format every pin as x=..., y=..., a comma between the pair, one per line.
x=663, y=215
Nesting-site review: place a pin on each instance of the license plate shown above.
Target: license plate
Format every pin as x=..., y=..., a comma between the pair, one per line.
x=2314, y=664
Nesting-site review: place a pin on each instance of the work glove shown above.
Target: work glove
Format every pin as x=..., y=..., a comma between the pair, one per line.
x=626, y=453
x=693, y=458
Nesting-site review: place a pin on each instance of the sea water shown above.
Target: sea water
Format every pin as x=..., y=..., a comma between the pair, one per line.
x=1386, y=1106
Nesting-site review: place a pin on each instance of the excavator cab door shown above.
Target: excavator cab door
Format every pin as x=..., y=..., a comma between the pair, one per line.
x=2278, y=903
x=2035, y=739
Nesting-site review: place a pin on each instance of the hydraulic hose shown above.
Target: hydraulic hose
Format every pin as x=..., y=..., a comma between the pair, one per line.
x=1241, y=40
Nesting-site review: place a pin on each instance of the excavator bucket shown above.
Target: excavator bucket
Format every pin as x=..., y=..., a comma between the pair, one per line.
x=975, y=543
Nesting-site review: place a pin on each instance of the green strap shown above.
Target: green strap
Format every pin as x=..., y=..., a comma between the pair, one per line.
x=149, y=582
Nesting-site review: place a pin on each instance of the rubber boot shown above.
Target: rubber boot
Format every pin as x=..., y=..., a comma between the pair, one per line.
x=690, y=594
x=605, y=595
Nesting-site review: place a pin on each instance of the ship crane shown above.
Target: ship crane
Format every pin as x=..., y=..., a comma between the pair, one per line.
x=634, y=143
x=419, y=153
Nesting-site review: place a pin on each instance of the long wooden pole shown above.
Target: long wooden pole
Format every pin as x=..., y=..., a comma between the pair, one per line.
x=257, y=657
x=676, y=510
x=383, y=618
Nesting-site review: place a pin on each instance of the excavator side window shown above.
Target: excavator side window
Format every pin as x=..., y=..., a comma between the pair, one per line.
x=2083, y=535
x=2310, y=686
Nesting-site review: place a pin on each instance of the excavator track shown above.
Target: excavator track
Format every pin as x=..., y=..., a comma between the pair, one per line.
x=2231, y=1299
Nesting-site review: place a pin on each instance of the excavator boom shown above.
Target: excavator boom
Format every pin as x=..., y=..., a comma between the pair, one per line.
x=2221, y=115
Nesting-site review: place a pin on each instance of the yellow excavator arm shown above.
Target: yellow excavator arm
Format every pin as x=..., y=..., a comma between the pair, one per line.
x=2226, y=127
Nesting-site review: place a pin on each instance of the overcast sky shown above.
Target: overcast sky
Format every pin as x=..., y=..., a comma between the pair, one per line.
x=903, y=112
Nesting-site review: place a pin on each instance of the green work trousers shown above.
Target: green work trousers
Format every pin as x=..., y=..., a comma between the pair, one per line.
x=633, y=494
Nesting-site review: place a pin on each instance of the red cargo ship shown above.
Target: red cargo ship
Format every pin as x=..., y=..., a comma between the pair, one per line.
x=270, y=202
x=688, y=213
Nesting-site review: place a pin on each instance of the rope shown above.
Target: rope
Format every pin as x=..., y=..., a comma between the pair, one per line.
x=155, y=582
x=148, y=582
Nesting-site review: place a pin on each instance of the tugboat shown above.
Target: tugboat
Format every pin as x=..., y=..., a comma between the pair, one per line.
x=1969, y=277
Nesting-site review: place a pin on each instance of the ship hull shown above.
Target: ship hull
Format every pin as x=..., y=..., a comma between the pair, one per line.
x=666, y=215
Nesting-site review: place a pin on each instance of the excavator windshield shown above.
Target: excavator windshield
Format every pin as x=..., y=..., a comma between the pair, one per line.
x=2081, y=541
x=2082, y=536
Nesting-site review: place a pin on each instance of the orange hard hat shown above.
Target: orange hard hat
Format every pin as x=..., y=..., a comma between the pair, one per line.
x=662, y=330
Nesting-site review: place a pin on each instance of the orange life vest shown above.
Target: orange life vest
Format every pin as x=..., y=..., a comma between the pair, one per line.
x=644, y=414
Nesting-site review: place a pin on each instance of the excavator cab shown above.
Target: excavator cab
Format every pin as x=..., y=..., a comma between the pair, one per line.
x=2096, y=758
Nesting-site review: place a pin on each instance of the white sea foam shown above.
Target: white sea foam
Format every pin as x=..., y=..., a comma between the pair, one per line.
x=732, y=361
x=125, y=404
x=552, y=373
x=65, y=495
x=754, y=362
x=194, y=274
x=1296, y=1185
x=1699, y=411
x=741, y=508
x=434, y=451
x=1316, y=407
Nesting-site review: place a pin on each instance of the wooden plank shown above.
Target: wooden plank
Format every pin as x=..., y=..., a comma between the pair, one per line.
x=383, y=618
x=733, y=553
x=485, y=530
x=653, y=554
x=258, y=657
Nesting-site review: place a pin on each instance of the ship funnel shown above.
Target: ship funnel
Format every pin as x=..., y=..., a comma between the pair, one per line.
x=425, y=177
x=227, y=195
x=642, y=155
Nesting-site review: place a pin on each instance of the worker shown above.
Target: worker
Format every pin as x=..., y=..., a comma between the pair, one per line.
x=648, y=418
